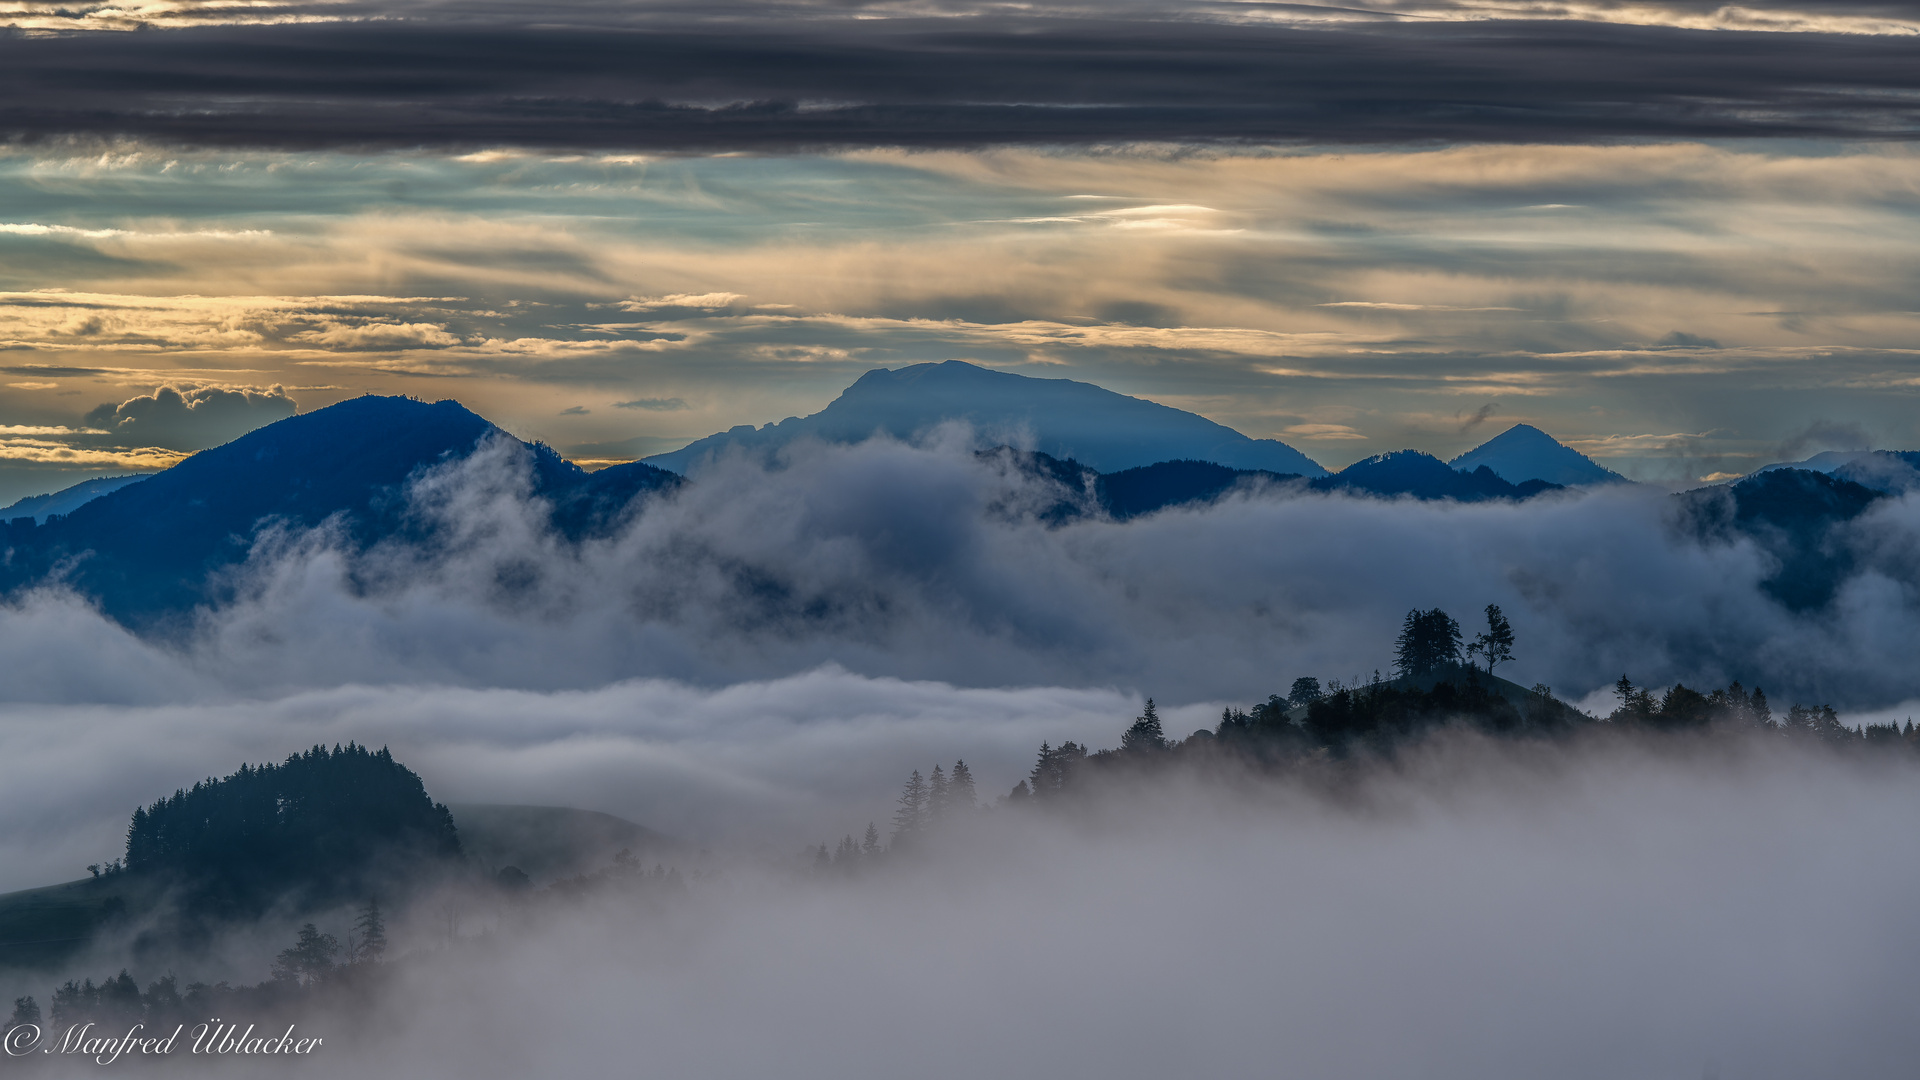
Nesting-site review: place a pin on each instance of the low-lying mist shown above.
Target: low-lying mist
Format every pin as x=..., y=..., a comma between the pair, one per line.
x=1621, y=907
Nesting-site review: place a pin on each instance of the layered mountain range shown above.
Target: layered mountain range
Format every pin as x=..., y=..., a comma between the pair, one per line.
x=151, y=550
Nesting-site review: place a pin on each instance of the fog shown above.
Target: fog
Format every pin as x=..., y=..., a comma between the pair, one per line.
x=754, y=664
x=1481, y=910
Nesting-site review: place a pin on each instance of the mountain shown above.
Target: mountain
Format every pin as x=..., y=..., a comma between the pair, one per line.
x=1132, y=493
x=1106, y=431
x=68, y=499
x=1892, y=471
x=157, y=547
x=1524, y=452
x=1789, y=513
x=1423, y=476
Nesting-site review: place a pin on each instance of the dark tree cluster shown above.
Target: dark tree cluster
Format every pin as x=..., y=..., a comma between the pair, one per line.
x=325, y=822
x=314, y=964
x=1437, y=687
x=1681, y=708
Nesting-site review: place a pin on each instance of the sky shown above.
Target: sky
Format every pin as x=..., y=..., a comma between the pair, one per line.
x=1679, y=237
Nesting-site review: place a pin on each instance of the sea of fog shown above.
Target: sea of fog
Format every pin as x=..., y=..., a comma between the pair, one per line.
x=755, y=663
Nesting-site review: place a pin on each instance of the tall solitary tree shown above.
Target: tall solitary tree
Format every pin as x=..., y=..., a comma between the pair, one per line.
x=1496, y=644
x=1145, y=736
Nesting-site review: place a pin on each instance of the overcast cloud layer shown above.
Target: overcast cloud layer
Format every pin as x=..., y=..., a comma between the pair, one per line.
x=801, y=77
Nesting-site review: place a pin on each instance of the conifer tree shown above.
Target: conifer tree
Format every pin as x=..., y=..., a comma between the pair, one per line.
x=371, y=928
x=310, y=958
x=25, y=1011
x=937, y=794
x=1428, y=640
x=1145, y=736
x=960, y=794
x=870, y=844
x=911, y=816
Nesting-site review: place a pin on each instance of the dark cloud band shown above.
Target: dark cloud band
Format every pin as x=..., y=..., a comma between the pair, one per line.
x=679, y=85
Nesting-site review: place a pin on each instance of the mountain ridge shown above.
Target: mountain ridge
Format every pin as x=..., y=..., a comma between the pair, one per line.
x=1062, y=418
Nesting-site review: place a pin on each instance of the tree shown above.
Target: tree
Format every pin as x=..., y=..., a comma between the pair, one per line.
x=870, y=844
x=372, y=927
x=25, y=1011
x=1054, y=769
x=960, y=795
x=1144, y=736
x=911, y=815
x=938, y=791
x=1636, y=703
x=310, y=959
x=1305, y=691
x=1496, y=644
x=1428, y=640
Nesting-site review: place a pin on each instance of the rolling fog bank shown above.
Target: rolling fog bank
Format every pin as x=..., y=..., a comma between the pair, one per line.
x=1654, y=908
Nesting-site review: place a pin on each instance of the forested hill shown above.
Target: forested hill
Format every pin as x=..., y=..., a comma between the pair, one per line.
x=323, y=823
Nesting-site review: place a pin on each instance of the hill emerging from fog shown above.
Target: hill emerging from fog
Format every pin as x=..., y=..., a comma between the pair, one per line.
x=1103, y=430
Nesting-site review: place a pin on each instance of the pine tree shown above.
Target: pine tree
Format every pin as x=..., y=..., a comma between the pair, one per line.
x=911, y=816
x=1145, y=736
x=25, y=1011
x=960, y=795
x=371, y=928
x=1054, y=769
x=937, y=795
x=870, y=844
x=309, y=960
x=1428, y=640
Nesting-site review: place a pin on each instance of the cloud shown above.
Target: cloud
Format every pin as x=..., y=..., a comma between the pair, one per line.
x=802, y=76
x=192, y=418
x=923, y=564
x=1464, y=915
x=652, y=404
x=575, y=410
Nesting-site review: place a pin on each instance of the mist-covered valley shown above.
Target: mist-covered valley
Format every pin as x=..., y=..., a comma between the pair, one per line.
x=748, y=664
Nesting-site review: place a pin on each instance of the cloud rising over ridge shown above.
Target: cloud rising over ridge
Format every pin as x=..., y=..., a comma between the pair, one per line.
x=928, y=563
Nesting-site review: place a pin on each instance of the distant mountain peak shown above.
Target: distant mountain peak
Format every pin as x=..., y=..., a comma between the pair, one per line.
x=1524, y=452
x=1105, y=430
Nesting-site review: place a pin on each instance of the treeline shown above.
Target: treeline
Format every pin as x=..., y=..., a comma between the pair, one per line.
x=316, y=965
x=1439, y=683
x=926, y=802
